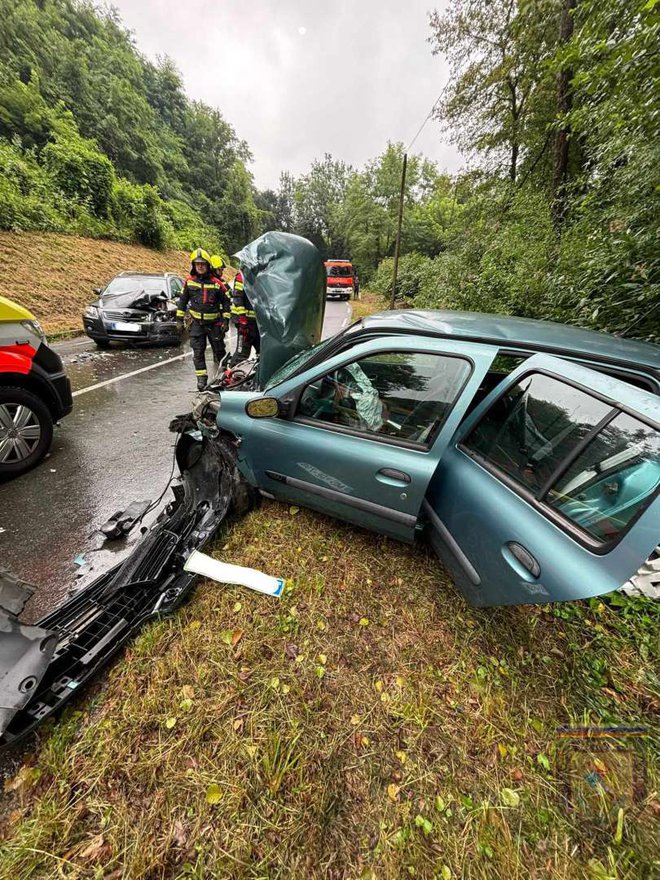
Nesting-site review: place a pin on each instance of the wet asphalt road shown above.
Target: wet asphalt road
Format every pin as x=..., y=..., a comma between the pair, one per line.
x=112, y=449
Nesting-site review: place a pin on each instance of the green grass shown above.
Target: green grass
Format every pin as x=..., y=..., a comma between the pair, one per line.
x=368, y=725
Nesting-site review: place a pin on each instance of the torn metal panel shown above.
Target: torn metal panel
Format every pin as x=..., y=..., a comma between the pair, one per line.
x=25, y=651
x=71, y=644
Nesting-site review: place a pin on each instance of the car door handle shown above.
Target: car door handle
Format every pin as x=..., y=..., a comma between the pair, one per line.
x=392, y=477
x=521, y=560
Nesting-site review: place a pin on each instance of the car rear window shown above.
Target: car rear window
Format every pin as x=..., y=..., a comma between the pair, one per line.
x=594, y=465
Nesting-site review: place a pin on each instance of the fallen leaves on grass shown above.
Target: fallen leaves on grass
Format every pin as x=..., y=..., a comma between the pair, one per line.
x=214, y=794
x=509, y=797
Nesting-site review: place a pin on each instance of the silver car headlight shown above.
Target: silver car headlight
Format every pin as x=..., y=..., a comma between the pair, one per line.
x=91, y=312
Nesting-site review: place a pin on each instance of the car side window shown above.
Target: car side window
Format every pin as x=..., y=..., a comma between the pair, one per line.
x=401, y=395
x=533, y=426
x=614, y=477
x=593, y=464
x=175, y=287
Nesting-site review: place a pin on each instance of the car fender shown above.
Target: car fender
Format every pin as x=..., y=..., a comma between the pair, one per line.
x=34, y=379
x=15, y=362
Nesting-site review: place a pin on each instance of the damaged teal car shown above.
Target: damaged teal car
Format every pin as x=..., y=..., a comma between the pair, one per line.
x=526, y=452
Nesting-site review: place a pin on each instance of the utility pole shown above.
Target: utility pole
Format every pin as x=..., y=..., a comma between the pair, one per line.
x=397, y=247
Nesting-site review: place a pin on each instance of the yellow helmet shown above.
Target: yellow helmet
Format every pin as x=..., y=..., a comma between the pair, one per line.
x=217, y=262
x=200, y=254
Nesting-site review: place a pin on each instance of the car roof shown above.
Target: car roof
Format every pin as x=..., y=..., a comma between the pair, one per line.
x=523, y=333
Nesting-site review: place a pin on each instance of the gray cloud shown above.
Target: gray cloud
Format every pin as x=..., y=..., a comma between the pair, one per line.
x=297, y=79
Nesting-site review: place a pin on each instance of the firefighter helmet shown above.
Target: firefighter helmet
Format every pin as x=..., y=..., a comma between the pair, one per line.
x=217, y=262
x=200, y=254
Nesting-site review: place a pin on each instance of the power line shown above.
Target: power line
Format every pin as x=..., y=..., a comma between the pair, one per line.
x=428, y=116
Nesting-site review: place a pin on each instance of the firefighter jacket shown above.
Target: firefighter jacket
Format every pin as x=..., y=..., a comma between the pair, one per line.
x=206, y=298
x=241, y=307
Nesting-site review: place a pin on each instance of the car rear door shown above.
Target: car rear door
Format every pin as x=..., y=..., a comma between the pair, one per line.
x=549, y=491
x=365, y=430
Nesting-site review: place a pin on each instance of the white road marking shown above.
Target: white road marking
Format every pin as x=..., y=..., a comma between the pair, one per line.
x=349, y=314
x=178, y=357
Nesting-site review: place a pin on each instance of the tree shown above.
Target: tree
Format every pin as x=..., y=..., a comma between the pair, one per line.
x=564, y=104
x=496, y=50
x=286, y=196
x=318, y=196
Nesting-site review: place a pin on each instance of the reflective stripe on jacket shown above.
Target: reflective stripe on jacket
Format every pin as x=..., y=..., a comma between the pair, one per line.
x=240, y=304
x=205, y=297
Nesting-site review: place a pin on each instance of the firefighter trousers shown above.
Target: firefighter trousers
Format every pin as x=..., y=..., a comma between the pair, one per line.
x=247, y=337
x=200, y=331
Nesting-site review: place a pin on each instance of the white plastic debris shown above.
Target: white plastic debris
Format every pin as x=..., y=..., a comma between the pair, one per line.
x=226, y=573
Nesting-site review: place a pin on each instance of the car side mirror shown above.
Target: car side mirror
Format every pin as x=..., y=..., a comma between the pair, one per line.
x=97, y=290
x=263, y=408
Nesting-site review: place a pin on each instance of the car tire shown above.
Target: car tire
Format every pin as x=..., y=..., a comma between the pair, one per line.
x=35, y=415
x=102, y=343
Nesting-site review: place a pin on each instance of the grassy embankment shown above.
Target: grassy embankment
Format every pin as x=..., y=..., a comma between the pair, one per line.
x=368, y=725
x=53, y=275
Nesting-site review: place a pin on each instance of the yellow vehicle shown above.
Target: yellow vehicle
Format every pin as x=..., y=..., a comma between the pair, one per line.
x=35, y=391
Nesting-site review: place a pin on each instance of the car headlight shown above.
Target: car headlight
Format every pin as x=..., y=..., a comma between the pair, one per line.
x=91, y=312
x=34, y=327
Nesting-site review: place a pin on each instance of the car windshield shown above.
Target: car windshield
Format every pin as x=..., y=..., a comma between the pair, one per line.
x=135, y=284
x=296, y=362
x=339, y=271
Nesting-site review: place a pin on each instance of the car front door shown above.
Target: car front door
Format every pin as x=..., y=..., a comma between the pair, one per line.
x=364, y=430
x=550, y=489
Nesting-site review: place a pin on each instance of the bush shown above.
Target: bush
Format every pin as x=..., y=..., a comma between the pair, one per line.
x=137, y=213
x=80, y=171
x=26, y=198
x=413, y=268
x=189, y=229
x=500, y=260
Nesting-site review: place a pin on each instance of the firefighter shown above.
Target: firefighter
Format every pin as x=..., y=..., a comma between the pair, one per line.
x=245, y=319
x=205, y=297
x=217, y=267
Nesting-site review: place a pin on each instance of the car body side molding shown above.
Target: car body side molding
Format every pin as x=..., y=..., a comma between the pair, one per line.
x=396, y=516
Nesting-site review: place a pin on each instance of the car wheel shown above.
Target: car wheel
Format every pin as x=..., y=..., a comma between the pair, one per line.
x=102, y=343
x=26, y=431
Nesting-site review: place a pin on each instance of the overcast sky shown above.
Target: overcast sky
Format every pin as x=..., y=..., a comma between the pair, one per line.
x=298, y=78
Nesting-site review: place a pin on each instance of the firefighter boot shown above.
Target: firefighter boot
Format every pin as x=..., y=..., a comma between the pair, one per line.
x=201, y=382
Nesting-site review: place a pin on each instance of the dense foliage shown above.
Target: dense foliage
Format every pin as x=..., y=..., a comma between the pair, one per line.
x=555, y=102
x=96, y=139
